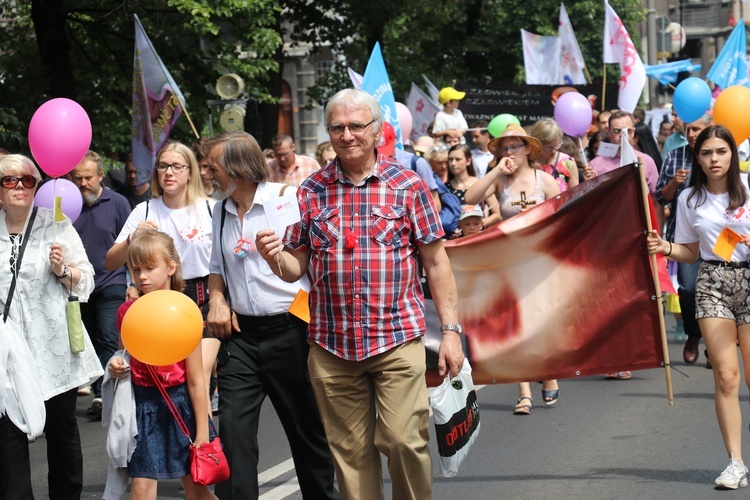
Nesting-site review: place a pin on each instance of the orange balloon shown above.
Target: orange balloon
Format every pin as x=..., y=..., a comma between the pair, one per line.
x=731, y=109
x=162, y=327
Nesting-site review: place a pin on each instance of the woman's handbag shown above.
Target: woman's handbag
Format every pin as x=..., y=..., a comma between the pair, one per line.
x=208, y=464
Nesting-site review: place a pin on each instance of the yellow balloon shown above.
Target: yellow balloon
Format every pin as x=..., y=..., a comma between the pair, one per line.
x=162, y=327
x=731, y=109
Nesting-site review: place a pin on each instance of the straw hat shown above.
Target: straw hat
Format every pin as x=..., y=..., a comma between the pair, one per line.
x=513, y=130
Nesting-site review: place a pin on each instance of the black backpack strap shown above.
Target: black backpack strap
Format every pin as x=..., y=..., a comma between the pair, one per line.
x=208, y=207
x=21, y=250
x=147, y=204
x=414, y=159
x=221, y=248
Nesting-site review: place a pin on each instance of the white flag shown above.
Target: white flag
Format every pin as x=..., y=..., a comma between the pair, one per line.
x=432, y=90
x=541, y=58
x=619, y=48
x=423, y=111
x=627, y=153
x=356, y=78
x=571, y=71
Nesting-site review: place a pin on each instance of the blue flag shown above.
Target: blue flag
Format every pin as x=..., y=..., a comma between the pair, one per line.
x=730, y=66
x=378, y=85
x=667, y=73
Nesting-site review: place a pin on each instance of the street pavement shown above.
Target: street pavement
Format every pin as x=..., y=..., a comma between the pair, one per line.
x=603, y=440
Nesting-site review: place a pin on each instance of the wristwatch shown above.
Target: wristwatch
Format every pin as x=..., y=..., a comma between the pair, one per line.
x=454, y=327
x=65, y=273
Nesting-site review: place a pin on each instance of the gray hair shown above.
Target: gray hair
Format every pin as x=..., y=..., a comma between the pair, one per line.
x=353, y=98
x=241, y=157
x=19, y=165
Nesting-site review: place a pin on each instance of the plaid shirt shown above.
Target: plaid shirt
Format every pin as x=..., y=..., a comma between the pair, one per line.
x=367, y=299
x=678, y=158
x=303, y=167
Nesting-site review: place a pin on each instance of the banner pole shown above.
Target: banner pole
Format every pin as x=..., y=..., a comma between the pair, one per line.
x=655, y=276
x=184, y=110
x=604, y=85
x=588, y=76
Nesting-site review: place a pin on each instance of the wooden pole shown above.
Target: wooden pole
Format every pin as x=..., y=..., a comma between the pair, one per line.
x=655, y=276
x=588, y=76
x=184, y=110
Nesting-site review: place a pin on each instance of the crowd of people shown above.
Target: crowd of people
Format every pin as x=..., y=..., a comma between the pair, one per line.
x=349, y=385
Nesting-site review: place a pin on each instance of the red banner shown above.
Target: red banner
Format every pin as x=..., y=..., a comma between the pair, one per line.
x=562, y=290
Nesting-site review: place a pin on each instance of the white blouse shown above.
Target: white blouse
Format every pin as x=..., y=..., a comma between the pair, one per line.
x=39, y=303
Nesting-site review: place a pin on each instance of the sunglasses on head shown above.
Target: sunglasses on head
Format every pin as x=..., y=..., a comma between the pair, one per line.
x=11, y=181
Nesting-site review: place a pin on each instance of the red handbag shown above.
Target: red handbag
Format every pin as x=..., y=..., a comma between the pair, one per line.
x=208, y=464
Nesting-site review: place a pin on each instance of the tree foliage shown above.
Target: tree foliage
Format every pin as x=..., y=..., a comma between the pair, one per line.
x=84, y=50
x=470, y=40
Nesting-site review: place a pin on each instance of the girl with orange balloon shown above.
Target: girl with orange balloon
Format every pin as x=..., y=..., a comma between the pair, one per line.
x=161, y=450
x=179, y=208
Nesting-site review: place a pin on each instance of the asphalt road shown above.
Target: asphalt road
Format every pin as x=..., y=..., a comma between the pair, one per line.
x=603, y=440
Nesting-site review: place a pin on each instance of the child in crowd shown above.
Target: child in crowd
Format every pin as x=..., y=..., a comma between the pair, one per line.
x=470, y=221
x=161, y=448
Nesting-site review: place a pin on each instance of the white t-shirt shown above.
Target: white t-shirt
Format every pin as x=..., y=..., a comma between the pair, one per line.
x=705, y=223
x=189, y=227
x=481, y=161
x=444, y=121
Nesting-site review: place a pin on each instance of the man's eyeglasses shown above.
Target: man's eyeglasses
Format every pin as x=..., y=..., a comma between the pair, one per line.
x=11, y=181
x=549, y=149
x=355, y=128
x=176, y=167
x=511, y=149
x=618, y=130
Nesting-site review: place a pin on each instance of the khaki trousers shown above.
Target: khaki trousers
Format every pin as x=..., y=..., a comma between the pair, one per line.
x=348, y=393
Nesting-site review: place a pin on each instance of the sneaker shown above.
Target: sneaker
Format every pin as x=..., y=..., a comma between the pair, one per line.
x=733, y=477
x=96, y=409
x=84, y=391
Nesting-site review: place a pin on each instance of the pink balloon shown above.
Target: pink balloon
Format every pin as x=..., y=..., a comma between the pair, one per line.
x=404, y=121
x=72, y=201
x=573, y=113
x=59, y=136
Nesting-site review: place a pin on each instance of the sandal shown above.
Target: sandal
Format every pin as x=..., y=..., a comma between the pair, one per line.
x=550, y=397
x=626, y=375
x=523, y=409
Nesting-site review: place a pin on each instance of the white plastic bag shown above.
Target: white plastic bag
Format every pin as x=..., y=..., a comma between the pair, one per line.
x=456, y=413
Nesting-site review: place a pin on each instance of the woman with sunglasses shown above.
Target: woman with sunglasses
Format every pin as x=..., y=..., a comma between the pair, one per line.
x=43, y=262
x=551, y=160
x=179, y=208
x=714, y=209
x=438, y=160
x=518, y=185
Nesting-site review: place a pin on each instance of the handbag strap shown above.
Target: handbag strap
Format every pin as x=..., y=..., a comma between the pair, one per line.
x=170, y=404
x=25, y=240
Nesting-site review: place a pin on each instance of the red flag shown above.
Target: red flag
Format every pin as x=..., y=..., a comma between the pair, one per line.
x=562, y=290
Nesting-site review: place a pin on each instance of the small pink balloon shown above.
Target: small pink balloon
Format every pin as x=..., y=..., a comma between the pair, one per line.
x=59, y=136
x=573, y=113
x=404, y=121
x=72, y=201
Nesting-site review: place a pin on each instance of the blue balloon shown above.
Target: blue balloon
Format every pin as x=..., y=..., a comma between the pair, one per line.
x=692, y=98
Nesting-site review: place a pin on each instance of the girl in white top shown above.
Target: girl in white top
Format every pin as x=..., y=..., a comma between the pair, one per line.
x=179, y=208
x=716, y=204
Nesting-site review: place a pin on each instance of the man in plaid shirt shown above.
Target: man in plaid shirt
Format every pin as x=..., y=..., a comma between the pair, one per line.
x=673, y=180
x=366, y=222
